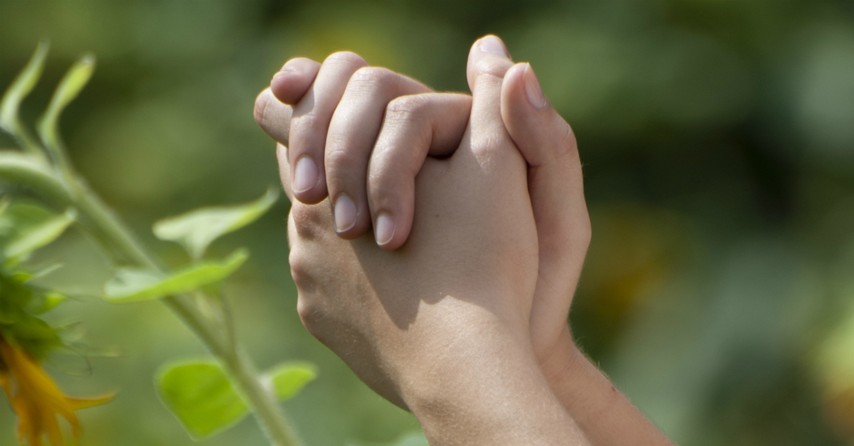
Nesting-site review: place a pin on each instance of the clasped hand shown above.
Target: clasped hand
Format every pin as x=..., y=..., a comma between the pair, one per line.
x=457, y=304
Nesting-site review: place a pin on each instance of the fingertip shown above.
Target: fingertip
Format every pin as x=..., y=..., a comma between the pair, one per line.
x=350, y=217
x=533, y=90
x=385, y=230
x=273, y=116
x=308, y=184
x=536, y=128
x=293, y=80
x=488, y=55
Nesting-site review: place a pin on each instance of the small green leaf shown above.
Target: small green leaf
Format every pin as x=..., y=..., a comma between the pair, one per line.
x=20, y=88
x=196, y=229
x=25, y=228
x=30, y=170
x=200, y=394
x=69, y=87
x=412, y=439
x=133, y=285
x=289, y=378
x=20, y=302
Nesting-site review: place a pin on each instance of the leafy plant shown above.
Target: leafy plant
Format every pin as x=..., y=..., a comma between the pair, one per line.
x=207, y=395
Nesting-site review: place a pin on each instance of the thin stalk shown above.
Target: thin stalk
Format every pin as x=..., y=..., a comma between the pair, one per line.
x=261, y=400
x=118, y=239
x=240, y=367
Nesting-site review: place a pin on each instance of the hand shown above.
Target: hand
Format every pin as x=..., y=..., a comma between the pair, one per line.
x=401, y=146
x=359, y=123
x=548, y=145
x=430, y=324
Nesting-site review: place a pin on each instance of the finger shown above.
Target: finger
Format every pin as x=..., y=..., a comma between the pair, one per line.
x=352, y=133
x=293, y=80
x=488, y=61
x=555, y=184
x=310, y=124
x=414, y=127
x=284, y=170
x=273, y=116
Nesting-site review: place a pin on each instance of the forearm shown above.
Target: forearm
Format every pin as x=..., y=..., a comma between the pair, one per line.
x=604, y=414
x=486, y=390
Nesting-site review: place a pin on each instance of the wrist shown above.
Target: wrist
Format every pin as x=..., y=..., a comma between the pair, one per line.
x=487, y=388
x=563, y=363
x=602, y=412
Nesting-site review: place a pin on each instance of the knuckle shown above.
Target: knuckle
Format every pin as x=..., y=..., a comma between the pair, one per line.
x=300, y=271
x=485, y=144
x=372, y=75
x=338, y=156
x=307, y=221
x=303, y=126
x=372, y=80
x=345, y=58
x=492, y=66
x=309, y=314
x=260, y=109
x=408, y=108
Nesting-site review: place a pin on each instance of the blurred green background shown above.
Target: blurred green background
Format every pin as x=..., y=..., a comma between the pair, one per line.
x=718, y=142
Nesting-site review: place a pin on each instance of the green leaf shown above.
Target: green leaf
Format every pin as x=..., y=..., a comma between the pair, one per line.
x=287, y=379
x=69, y=87
x=19, y=304
x=412, y=439
x=25, y=228
x=31, y=171
x=200, y=394
x=133, y=285
x=20, y=88
x=196, y=229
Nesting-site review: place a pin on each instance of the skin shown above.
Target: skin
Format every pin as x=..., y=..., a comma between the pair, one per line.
x=368, y=153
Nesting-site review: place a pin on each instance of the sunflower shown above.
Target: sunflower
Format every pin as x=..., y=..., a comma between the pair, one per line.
x=37, y=400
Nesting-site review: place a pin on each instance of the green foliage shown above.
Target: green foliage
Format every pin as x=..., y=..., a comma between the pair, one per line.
x=202, y=397
x=69, y=87
x=196, y=229
x=21, y=303
x=287, y=379
x=134, y=284
x=20, y=88
x=704, y=127
x=25, y=228
x=202, y=394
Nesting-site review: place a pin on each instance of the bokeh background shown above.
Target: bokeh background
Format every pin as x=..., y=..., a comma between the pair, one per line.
x=718, y=143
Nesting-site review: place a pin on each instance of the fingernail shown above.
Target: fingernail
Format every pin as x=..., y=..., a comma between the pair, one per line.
x=345, y=213
x=305, y=175
x=533, y=89
x=384, y=229
x=492, y=45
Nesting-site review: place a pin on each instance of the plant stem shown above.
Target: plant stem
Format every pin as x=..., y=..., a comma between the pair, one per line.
x=119, y=240
x=240, y=367
x=261, y=399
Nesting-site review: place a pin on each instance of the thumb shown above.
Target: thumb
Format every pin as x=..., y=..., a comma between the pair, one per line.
x=487, y=63
x=548, y=145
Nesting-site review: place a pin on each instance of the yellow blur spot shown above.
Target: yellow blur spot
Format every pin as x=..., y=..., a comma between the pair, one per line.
x=37, y=400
